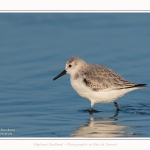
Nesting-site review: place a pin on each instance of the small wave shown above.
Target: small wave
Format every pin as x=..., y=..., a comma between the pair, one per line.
x=140, y=108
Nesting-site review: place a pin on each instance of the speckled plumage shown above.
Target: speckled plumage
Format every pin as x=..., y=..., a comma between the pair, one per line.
x=99, y=77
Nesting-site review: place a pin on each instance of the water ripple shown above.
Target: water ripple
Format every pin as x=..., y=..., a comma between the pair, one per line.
x=140, y=109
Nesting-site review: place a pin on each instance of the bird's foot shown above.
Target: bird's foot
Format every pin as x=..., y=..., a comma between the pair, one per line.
x=91, y=111
x=117, y=112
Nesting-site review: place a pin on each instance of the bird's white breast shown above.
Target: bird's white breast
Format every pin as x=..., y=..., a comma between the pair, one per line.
x=102, y=96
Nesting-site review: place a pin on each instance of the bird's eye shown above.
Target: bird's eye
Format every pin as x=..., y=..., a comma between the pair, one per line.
x=70, y=66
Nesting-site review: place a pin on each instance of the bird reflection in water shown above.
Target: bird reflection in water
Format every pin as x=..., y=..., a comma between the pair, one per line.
x=102, y=127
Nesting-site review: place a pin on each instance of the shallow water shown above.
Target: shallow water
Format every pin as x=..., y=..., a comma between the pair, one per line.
x=34, y=49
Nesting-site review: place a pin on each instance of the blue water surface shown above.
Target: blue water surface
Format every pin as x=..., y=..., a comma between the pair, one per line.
x=34, y=48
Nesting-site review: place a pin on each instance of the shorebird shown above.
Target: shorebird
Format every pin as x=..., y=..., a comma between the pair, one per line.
x=97, y=83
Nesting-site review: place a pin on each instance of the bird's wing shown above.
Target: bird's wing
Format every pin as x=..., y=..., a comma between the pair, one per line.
x=100, y=77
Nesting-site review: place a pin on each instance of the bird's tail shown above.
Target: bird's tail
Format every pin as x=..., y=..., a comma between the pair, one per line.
x=140, y=85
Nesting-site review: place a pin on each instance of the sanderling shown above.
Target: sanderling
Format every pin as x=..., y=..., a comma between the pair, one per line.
x=97, y=83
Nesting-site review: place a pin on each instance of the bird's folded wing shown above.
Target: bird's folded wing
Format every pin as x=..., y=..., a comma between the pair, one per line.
x=103, y=78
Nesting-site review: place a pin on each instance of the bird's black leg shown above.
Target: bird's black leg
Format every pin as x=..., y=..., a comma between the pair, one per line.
x=117, y=109
x=90, y=109
x=116, y=105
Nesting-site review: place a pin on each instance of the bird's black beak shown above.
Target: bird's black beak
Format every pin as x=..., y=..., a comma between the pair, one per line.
x=61, y=74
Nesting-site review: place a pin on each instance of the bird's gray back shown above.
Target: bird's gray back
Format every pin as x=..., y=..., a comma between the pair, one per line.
x=99, y=77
